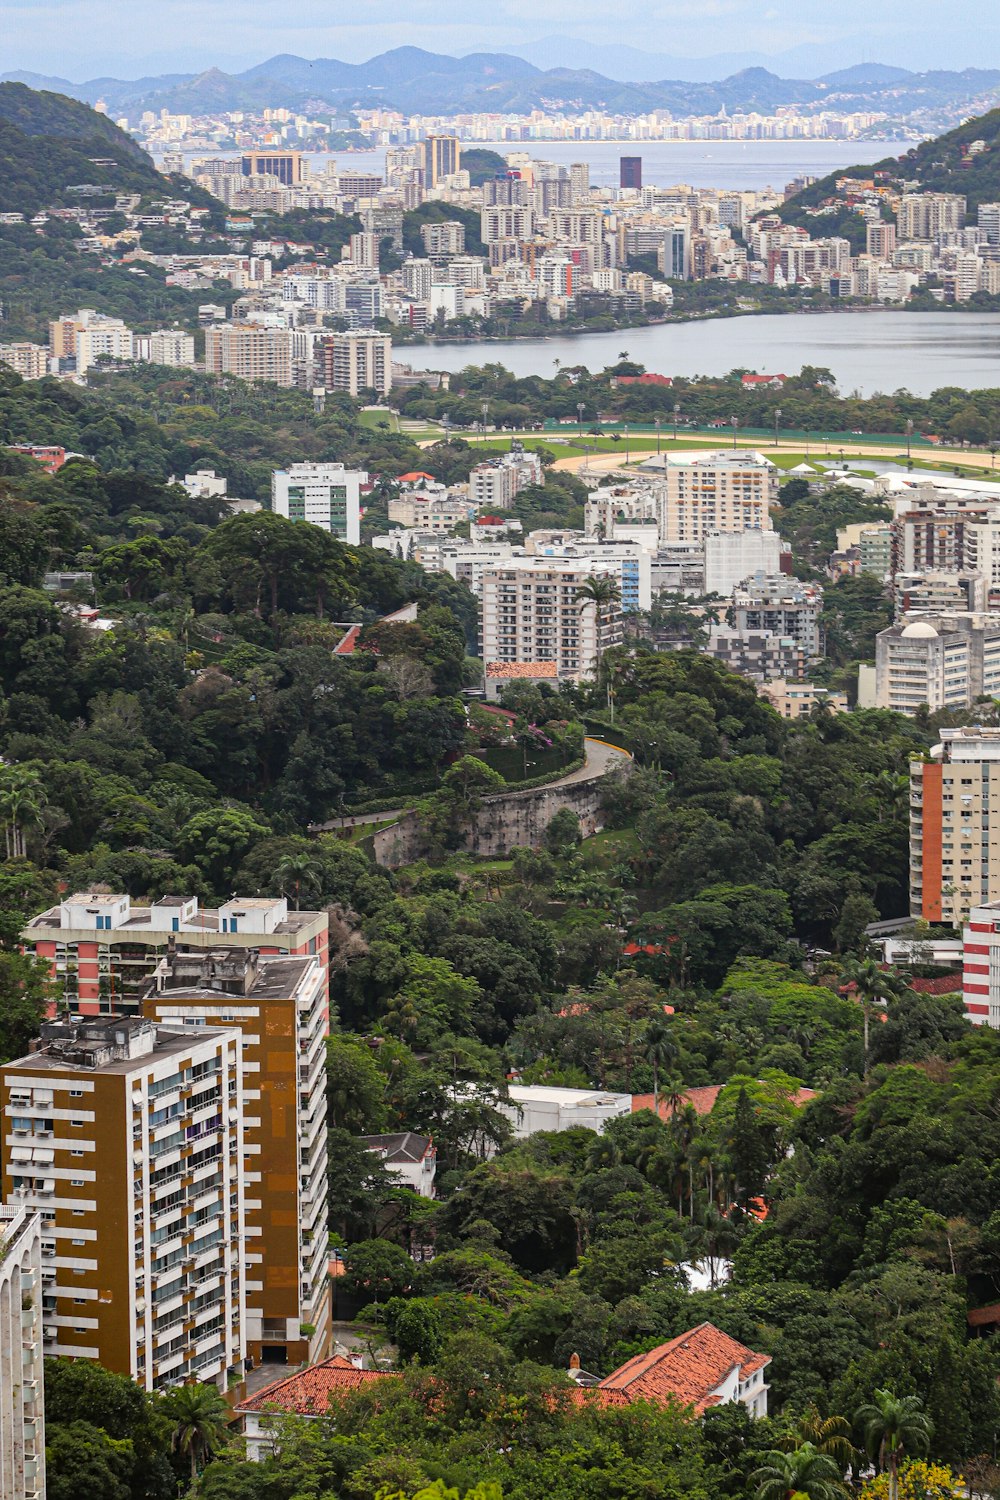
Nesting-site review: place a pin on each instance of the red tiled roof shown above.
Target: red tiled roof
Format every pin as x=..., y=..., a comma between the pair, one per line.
x=412, y=478
x=942, y=984
x=502, y=669
x=349, y=643
x=691, y=1368
x=702, y=1100
x=308, y=1392
x=985, y=1317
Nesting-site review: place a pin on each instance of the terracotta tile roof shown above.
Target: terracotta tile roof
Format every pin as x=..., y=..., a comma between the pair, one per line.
x=691, y=1368
x=942, y=984
x=308, y=1392
x=702, y=1100
x=521, y=669
x=985, y=1317
x=347, y=645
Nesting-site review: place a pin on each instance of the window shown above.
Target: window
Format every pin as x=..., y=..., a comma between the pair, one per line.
x=76, y=1153
x=76, y=1182
x=76, y=1093
x=76, y=1124
x=78, y=1242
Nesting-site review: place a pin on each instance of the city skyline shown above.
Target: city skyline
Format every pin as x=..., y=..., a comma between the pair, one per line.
x=82, y=38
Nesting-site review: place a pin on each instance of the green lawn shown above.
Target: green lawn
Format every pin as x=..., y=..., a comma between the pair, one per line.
x=379, y=416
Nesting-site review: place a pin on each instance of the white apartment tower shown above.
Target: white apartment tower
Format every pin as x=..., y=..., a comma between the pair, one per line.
x=127, y=1139
x=530, y=614
x=22, y=1404
x=357, y=361
x=955, y=826
x=325, y=495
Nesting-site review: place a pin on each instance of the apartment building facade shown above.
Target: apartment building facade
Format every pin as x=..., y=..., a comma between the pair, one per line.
x=325, y=495
x=784, y=607
x=732, y=556
x=279, y=1006
x=530, y=614
x=943, y=661
x=127, y=1139
x=715, y=492
x=981, y=965
x=955, y=826
x=101, y=949
x=356, y=361
x=22, y=1380
x=251, y=352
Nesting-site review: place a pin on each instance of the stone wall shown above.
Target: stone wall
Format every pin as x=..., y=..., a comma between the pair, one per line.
x=506, y=821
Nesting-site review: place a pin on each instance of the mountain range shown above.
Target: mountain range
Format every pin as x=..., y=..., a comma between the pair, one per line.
x=415, y=81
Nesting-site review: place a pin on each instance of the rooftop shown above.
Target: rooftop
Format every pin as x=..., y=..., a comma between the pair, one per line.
x=691, y=1368
x=401, y=1146
x=309, y=1392
x=91, y=1046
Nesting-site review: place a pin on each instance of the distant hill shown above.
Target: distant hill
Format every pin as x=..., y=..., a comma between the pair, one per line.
x=50, y=143
x=414, y=80
x=943, y=165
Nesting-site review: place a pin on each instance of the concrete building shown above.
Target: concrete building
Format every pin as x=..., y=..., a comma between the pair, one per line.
x=325, y=495
x=943, y=661
x=435, y=508
x=955, y=826
x=761, y=655
x=22, y=1381
x=407, y=1156
x=797, y=700
x=442, y=158
x=30, y=361
x=981, y=965
x=279, y=1005
x=494, y=484
x=922, y=216
x=167, y=346
x=704, y=493
x=631, y=563
x=783, y=606
x=286, y=166
x=251, y=352
x=357, y=361
x=127, y=1139
x=733, y=556
x=531, y=1108
x=530, y=615
x=102, y=949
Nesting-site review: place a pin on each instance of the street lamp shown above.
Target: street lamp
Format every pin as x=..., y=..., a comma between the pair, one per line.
x=626, y=442
x=657, y=420
x=734, y=422
x=777, y=419
x=677, y=412
x=909, y=436
x=579, y=414
x=485, y=411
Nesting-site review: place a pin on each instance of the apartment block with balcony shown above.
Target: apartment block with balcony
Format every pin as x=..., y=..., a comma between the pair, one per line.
x=955, y=826
x=279, y=1005
x=22, y=1401
x=102, y=949
x=783, y=606
x=325, y=495
x=715, y=492
x=943, y=661
x=981, y=965
x=530, y=615
x=127, y=1139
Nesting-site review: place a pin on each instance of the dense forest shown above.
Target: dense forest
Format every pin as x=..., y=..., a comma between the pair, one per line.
x=829, y=1201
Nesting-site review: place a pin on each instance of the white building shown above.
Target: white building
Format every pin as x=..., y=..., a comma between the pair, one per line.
x=535, y=1107
x=530, y=614
x=407, y=1156
x=22, y=1402
x=981, y=965
x=103, y=338
x=357, y=361
x=205, y=484
x=167, y=346
x=494, y=484
x=631, y=562
x=325, y=495
x=30, y=361
x=704, y=493
x=943, y=661
x=732, y=556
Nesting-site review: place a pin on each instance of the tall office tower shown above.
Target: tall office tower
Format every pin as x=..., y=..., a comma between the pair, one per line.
x=579, y=180
x=442, y=158
x=530, y=615
x=280, y=1006
x=630, y=172
x=355, y=362
x=285, y=165
x=102, y=949
x=674, y=256
x=325, y=495
x=127, y=1139
x=880, y=240
x=22, y=1404
x=989, y=222
x=364, y=250
x=707, y=492
x=251, y=352
x=955, y=826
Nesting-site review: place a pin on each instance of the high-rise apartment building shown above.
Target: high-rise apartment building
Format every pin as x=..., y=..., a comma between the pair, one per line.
x=943, y=661
x=506, y=221
x=579, y=180
x=325, y=495
x=22, y=1403
x=530, y=613
x=355, y=362
x=280, y=1007
x=988, y=219
x=441, y=240
x=127, y=1139
x=723, y=492
x=783, y=606
x=251, y=352
x=732, y=556
x=981, y=965
x=955, y=826
x=880, y=240
x=102, y=949
x=921, y=216
x=30, y=361
x=674, y=255
x=630, y=172
x=442, y=158
x=167, y=346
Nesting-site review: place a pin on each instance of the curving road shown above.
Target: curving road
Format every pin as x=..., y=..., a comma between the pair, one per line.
x=599, y=756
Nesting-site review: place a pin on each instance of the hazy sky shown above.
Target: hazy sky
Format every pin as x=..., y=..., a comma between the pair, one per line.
x=85, y=38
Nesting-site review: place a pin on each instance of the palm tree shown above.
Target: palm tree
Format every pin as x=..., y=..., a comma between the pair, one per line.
x=874, y=986
x=298, y=870
x=199, y=1415
x=22, y=797
x=603, y=592
x=830, y=1435
x=660, y=1050
x=804, y=1471
x=893, y=1425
